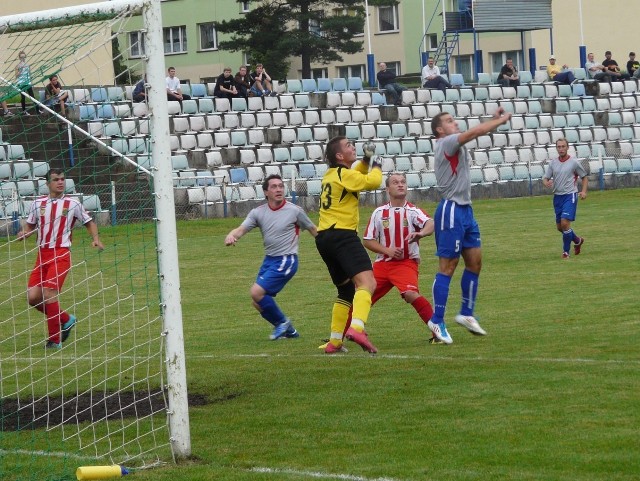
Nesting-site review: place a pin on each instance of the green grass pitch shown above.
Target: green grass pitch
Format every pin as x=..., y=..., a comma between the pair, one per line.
x=551, y=394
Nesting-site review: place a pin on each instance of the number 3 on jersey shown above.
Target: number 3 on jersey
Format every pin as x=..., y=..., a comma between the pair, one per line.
x=325, y=197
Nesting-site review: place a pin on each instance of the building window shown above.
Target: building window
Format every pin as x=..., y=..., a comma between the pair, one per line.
x=314, y=27
x=432, y=41
x=394, y=67
x=208, y=36
x=498, y=59
x=388, y=19
x=245, y=7
x=317, y=73
x=136, y=44
x=347, y=71
x=175, y=39
x=464, y=66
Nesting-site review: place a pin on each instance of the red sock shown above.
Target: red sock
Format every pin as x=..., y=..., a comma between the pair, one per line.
x=423, y=308
x=54, y=320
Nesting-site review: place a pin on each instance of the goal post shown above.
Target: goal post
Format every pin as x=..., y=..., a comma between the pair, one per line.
x=123, y=367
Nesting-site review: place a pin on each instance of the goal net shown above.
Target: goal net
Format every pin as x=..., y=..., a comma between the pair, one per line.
x=100, y=397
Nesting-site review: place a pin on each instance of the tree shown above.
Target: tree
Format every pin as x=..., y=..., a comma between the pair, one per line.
x=314, y=30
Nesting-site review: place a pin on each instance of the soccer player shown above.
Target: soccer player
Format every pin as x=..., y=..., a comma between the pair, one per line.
x=338, y=243
x=393, y=232
x=565, y=171
x=54, y=216
x=457, y=232
x=280, y=222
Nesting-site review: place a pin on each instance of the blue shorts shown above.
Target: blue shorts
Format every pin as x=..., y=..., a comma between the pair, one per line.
x=275, y=272
x=565, y=206
x=455, y=229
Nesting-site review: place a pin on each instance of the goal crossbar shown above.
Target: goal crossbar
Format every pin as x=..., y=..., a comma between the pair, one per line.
x=69, y=15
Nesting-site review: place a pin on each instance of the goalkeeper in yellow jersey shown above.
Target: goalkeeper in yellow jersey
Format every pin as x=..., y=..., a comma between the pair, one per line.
x=338, y=242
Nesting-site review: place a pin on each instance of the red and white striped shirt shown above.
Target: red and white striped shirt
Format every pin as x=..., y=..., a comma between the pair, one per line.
x=55, y=219
x=391, y=225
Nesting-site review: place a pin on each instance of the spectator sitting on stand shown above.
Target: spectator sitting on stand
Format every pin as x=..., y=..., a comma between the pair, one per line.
x=561, y=75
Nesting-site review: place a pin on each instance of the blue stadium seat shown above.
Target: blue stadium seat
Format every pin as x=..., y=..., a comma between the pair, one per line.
x=354, y=83
x=309, y=85
x=294, y=86
x=339, y=84
x=324, y=84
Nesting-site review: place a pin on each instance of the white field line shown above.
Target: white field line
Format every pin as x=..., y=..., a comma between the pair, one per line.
x=46, y=454
x=318, y=474
x=356, y=355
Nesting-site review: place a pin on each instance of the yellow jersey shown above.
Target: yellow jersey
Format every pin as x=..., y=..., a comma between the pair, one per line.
x=340, y=194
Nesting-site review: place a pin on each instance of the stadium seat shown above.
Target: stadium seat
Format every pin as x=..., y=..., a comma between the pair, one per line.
x=294, y=86
x=339, y=84
x=354, y=83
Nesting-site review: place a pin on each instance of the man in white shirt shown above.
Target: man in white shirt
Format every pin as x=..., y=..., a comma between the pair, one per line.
x=596, y=71
x=173, y=87
x=431, y=77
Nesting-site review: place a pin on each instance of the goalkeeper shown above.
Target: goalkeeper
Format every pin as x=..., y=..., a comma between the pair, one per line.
x=338, y=242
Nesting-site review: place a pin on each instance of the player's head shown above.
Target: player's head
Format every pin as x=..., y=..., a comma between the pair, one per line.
x=340, y=151
x=396, y=184
x=273, y=187
x=444, y=124
x=55, y=181
x=562, y=146
x=22, y=55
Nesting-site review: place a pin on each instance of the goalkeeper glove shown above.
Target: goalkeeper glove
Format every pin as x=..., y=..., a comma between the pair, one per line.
x=369, y=149
x=376, y=161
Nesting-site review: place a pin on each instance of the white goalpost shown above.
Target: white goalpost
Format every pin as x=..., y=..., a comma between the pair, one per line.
x=116, y=392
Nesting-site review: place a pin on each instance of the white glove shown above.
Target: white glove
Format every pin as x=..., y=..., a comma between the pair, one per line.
x=376, y=161
x=369, y=149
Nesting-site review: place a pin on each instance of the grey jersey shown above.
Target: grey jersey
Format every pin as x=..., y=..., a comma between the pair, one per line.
x=452, y=164
x=280, y=227
x=565, y=175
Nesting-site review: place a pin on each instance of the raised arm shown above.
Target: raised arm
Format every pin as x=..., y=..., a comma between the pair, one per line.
x=499, y=118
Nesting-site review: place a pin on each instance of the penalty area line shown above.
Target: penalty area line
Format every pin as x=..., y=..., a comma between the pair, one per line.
x=317, y=474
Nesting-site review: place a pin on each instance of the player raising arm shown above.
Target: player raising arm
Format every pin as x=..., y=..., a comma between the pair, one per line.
x=338, y=242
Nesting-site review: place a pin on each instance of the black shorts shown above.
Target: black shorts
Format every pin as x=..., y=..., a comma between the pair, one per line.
x=343, y=253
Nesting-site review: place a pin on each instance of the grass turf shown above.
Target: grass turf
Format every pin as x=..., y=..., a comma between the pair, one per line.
x=550, y=394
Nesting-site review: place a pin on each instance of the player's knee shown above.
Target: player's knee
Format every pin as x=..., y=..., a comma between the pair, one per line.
x=410, y=296
x=346, y=292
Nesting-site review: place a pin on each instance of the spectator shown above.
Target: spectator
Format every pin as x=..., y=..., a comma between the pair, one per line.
x=509, y=75
x=54, y=95
x=431, y=77
x=613, y=69
x=559, y=74
x=225, y=86
x=387, y=82
x=23, y=79
x=562, y=175
x=5, y=109
x=174, y=92
x=54, y=216
x=596, y=71
x=139, y=93
x=261, y=82
x=243, y=81
x=632, y=64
